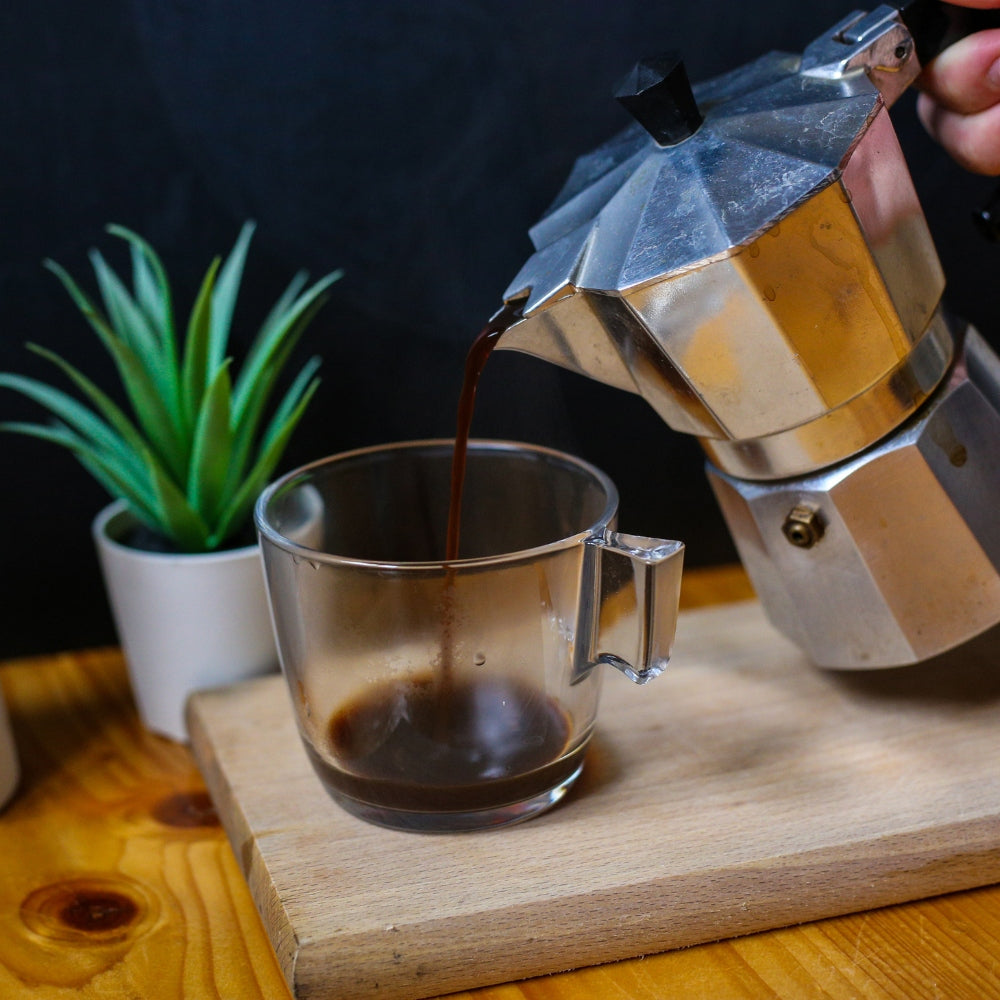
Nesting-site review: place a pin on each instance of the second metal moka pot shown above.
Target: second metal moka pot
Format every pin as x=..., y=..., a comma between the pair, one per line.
x=752, y=259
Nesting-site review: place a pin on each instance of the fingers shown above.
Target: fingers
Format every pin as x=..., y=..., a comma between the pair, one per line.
x=973, y=140
x=960, y=103
x=965, y=78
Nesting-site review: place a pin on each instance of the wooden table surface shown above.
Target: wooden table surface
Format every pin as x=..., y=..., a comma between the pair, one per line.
x=116, y=880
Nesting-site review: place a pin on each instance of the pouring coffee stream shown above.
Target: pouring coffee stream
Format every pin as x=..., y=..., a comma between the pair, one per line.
x=442, y=692
x=475, y=362
x=456, y=743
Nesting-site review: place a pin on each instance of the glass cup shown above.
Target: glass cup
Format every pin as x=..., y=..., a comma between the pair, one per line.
x=445, y=696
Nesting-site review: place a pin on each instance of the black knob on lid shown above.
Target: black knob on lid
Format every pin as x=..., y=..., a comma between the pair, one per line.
x=657, y=93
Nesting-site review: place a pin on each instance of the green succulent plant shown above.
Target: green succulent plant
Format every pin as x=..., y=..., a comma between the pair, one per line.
x=201, y=442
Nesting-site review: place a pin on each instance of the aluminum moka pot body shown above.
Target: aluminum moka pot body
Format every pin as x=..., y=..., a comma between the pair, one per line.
x=752, y=259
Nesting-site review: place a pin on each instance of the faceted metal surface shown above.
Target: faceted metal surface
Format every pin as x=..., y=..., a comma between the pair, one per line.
x=775, y=131
x=633, y=211
x=849, y=428
x=908, y=564
x=759, y=277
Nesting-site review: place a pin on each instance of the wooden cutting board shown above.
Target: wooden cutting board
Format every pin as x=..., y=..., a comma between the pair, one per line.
x=740, y=791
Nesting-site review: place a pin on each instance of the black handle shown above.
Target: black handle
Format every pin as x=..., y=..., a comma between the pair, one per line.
x=935, y=25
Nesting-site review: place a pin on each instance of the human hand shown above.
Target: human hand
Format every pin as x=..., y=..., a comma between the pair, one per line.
x=960, y=100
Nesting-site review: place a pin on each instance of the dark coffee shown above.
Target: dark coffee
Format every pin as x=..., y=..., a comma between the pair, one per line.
x=475, y=361
x=476, y=744
x=442, y=743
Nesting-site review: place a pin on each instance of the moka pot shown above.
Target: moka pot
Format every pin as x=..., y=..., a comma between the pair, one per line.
x=750, y=257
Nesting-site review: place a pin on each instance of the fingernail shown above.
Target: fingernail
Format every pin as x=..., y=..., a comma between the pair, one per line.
x=993, y=76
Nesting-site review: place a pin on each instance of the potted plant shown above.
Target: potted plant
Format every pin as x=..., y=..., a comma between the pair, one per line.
x=185, y=465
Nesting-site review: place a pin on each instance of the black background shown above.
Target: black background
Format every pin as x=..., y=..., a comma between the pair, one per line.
x=412, y=144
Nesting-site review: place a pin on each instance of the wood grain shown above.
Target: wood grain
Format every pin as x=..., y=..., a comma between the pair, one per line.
x=116, y=879
x=743, y=790
x=95, y=782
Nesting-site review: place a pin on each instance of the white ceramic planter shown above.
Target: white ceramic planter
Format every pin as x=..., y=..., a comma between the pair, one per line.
x=10, y=771
x=185, y=622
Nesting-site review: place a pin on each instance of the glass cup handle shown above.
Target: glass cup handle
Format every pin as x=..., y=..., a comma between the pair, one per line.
x=637, y=584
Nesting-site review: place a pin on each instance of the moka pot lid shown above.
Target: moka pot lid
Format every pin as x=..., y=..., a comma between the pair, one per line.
x=703, y=172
